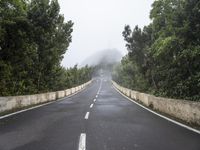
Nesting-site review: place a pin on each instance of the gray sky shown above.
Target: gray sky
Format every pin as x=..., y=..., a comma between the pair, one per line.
x=98, y=25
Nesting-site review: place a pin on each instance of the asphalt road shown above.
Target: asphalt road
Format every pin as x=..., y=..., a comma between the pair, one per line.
x=104, y=120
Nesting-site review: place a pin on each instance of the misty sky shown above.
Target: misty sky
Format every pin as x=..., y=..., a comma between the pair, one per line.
x=98, y=25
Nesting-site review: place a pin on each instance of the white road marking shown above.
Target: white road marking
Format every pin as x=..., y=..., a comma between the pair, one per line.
x=87, y=115
x=96, y=96
x=39, y=105
x=94, y=100
x=164, y=117
x=82, y=142
x=91, y=105
x=99, y=87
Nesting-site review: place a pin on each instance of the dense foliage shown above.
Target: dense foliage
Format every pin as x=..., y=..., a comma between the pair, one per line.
x=67, y=78
x=33, y=40
x=164, y=57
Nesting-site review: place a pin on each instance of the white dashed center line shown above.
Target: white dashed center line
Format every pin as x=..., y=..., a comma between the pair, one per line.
x=91, y=105
x=82, y=142
x=94, y=100
x=87, y=115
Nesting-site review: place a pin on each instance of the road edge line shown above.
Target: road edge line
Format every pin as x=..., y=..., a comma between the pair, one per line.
x=40, y=105
x=164, y=117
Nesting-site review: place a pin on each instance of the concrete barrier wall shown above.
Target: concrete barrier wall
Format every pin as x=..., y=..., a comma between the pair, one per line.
x=60, y=94
x=181, y=109
x=73, y=90
x=67, y=92
x=10, y=103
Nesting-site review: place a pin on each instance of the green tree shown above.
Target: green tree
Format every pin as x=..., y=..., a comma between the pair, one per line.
x=52, y=36
x=17, y=52
x=33, y=40
x=166, y=53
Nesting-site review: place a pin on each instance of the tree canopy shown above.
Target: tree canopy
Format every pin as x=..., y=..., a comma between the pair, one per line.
x=33, y=39
x=163, y=57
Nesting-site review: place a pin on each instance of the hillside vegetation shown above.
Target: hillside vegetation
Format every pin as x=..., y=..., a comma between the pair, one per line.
x=33, y=40
x=164, y=56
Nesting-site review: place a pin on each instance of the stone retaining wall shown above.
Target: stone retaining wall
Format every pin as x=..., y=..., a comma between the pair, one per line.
x=9, y=103
x=182, y=109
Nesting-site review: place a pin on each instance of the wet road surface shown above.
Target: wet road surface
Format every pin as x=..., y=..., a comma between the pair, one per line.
x=97, y=118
